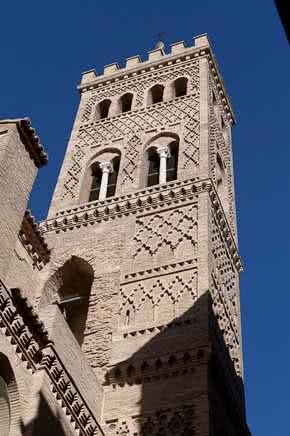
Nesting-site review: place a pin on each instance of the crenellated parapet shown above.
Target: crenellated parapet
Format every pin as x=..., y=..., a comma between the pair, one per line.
x=158, y=61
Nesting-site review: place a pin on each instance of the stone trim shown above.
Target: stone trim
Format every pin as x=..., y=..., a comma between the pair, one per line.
x=33, y=241
x=39, y=354
x=160, y=271
x=16, y=331
x=30, y=140
x=155, y=330
x=170, y=194
x=156, y=368
x=64, y=389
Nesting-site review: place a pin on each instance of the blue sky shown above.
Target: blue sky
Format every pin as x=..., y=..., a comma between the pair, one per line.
x=46, y=45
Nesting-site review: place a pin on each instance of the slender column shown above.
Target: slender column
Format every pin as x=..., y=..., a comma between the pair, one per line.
x=164, y=153
x=106, y=168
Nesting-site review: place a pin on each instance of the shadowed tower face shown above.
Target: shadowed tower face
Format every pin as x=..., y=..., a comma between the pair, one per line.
x=145, y=202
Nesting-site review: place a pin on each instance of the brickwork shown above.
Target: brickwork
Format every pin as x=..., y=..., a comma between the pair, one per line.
x=138, y=291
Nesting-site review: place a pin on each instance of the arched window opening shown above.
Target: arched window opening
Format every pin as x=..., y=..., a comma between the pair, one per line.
x=103, y=109
x=153, y=167
x=113, y=177
x=126, y=102
x=155, y=94
x=172, y=162
x=180, y=86
x=96, y=174
x=104, y=177
x=74, y=292
x=162, y=160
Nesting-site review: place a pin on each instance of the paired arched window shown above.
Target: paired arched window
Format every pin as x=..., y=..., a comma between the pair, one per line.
x=103, y=108
x=155, y=94
x=180, y=86
x=162, y=161
x=126, y=102
x=104, y=177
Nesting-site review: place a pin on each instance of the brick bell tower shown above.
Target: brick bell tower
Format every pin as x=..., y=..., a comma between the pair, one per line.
x=145, y=265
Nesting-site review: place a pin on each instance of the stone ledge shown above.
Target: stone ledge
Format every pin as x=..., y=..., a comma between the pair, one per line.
x=169, y=195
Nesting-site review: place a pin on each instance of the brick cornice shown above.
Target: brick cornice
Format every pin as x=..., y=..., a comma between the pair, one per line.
x=30, y=140
x=169, y=195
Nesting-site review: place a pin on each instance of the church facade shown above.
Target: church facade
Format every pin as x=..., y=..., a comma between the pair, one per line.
x=120, y=313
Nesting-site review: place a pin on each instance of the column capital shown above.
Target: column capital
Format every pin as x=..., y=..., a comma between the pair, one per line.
x=106, y=167
x=163, y=151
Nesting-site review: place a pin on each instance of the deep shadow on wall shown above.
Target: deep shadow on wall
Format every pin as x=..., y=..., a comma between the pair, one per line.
x=189, y=383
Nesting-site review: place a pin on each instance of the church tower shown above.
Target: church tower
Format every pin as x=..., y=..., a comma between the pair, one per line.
x=144, y=261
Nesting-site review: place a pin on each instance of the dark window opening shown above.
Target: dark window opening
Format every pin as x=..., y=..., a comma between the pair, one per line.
x=171, y=164
x=104, y=107
x=71, y=308
x=113, y=177
x=180, y=87
x=96, y=183
x=77, y=278
x=153, y=168
x=126, y=102
x=157, y=94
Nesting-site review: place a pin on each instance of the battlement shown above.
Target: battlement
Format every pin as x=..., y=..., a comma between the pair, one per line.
x=158, y=59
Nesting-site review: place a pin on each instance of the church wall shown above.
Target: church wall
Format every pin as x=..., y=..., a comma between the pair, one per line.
x=74, y=360
x=17, y=173
x=28, y=275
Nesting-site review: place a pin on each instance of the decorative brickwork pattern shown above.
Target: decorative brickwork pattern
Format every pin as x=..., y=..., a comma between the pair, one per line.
x=191, y=140
x=225, y=297
x=173, y=232
x=139, y=85
x=168, y=423
x=103, y=132
x=218, y=143
x=158, y=300
x=130, y=165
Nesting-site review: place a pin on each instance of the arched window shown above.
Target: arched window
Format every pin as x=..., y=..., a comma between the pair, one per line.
x=113, y=177
x=180, y=86
x=155, y=94
x=172, y=162
x=126, y=102
x=75, y=280
x=104, y=177
x=96, y=174
x=103, y=109
x=162, y=161
x=153, y=167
